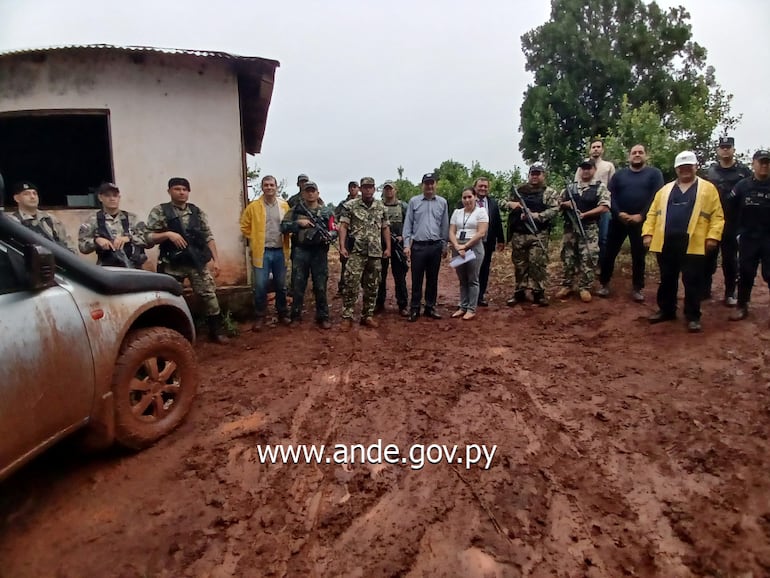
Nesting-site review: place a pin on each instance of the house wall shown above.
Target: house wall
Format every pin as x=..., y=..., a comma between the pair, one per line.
x=168, y=117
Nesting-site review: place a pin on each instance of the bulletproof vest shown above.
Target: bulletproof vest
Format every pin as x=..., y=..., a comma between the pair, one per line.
x=534, y=199
x=588, y=199
x=396, y=214
x=135, y=255
x=192, y=234
x=40, y=230
x=310, y=236
x=725, y=179
x=755, y=212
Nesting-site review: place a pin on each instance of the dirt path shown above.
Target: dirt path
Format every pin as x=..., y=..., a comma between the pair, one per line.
x=623, y=450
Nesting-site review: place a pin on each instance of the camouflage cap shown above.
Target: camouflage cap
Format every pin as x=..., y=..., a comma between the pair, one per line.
x=367, y=181
x=388, y=184
x=302, y=177
x=309, y=185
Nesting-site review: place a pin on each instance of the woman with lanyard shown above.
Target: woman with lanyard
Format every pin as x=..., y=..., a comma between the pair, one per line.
x=467, y=228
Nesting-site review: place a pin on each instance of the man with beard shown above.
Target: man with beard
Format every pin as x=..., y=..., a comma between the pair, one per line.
x=529, y=250
x=684, y=223
x=724, y=175
x=631, y=192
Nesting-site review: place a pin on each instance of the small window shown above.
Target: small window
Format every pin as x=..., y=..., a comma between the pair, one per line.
x=66, y=154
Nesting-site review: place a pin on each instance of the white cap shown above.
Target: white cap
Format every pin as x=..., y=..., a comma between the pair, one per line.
x=685, y=158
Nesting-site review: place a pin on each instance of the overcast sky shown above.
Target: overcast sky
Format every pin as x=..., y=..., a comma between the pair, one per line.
x=367, y=86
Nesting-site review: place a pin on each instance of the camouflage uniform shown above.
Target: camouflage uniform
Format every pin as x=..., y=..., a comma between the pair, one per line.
x=579, y=256
x=137, y=230
x=45, y=224
x=202, y=282
x=395, y=214
x=310, y=258
x=530, y=261
x=364, y=266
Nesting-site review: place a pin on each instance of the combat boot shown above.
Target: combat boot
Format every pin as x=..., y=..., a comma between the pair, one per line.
x=539, y=298
x=519, y=296
x=216, y=334
x=585, y=295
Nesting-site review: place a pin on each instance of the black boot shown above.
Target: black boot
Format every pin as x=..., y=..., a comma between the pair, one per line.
x=539, y=298
x=216, y=331
x=519, y=296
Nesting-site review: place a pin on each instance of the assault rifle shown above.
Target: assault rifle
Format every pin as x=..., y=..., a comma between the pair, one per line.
x=573, y=214
x=321, y=228
x=397, y=250
x=530, y=221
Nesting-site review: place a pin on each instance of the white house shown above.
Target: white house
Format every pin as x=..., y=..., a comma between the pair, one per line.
x=73, y=117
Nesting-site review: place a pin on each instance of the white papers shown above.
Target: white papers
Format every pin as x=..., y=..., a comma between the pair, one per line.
x=457, y=261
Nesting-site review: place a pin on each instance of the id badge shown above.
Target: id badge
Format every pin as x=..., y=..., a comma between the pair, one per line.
x=462, y=236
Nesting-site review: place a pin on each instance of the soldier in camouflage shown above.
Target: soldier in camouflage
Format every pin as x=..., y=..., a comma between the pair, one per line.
x=365, y=220
x=118, y=237
x=530, y=250
x=187, y=249
x=353, y=190
x=26, y=196
x=311, y=249
x=578, y=253
x=395, y=211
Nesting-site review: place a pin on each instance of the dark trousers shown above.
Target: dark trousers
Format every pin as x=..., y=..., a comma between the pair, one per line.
x=399, y=280
x=343, y=265
x=752, y=253
x=729, y=248
x=426, y=262
x=616, y=235
x=489, y=248
x=312, y=262
x=672, y=261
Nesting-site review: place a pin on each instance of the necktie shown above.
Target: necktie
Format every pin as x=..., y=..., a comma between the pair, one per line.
x=480, y=203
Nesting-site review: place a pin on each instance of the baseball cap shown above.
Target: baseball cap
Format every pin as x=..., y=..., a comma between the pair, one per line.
x=16, y=188
x=537, y=167
x=429, y=177
x=309, y=185
x=685, y=158
x=107, y=187
x=587, y=163
x=726, y=141
x=388, y=184
x=176, y=181
x=762, y=154
x=302, y=177
x=352, y=184
x=367, y=181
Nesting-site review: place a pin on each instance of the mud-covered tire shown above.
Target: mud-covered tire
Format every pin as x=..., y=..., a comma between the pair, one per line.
x=153, y=384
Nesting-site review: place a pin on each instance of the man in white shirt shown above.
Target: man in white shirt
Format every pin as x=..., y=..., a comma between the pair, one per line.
x=605, y=170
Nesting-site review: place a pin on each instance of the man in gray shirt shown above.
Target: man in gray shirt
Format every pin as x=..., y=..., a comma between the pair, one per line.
x=426, y=230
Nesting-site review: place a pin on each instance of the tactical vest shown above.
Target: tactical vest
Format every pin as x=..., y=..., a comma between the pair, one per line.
x=534, y=199
x=108, y=257
x=193, y=234
x=40, y=230
x=588, y=199
x=725, y=179
x=396, y=214
x=755, y=210
x=311, y=236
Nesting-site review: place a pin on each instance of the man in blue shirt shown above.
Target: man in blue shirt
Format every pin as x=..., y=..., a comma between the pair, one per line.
x=426, y=230
x=632, y=190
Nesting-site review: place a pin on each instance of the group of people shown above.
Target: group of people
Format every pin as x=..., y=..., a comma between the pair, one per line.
x=685, y=222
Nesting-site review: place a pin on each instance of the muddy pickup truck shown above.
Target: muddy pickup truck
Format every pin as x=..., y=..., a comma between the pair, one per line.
x=103, y=352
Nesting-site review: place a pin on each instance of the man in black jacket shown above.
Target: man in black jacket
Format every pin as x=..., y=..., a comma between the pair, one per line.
x=495, y=238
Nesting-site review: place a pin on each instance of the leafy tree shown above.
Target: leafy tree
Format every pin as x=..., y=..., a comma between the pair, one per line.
x=591, y=55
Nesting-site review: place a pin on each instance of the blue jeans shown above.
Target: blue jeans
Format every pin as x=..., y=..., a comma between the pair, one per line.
x=604, y=229
x=272, y=262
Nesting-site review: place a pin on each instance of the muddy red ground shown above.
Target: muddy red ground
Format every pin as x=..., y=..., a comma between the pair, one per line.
x=623, y=450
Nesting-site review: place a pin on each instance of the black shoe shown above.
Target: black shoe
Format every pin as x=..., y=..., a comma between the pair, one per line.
x=413, y=315
x=379, y=308
x=539, y=298
x=518, y=297
x=432, y=314
x=694, y=327
x=482, y=302
x=660, y=316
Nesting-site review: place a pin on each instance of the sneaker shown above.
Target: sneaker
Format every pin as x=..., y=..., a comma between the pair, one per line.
x=694, y=327
x=603, y=291
x=637, y=295
x=731, y=301
x=739, y=314
x=660, y=316
x=563, y=292
x=585, y=296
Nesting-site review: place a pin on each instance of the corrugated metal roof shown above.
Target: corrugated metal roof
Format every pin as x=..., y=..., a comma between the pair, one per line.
x=255, y=75
x=155, y=49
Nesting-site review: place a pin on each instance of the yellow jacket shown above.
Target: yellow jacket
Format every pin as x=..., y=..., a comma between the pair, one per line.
x=253, y=228
x=706, y=222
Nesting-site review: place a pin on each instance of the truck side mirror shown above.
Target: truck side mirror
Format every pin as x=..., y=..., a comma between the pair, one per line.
x=41, y=267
